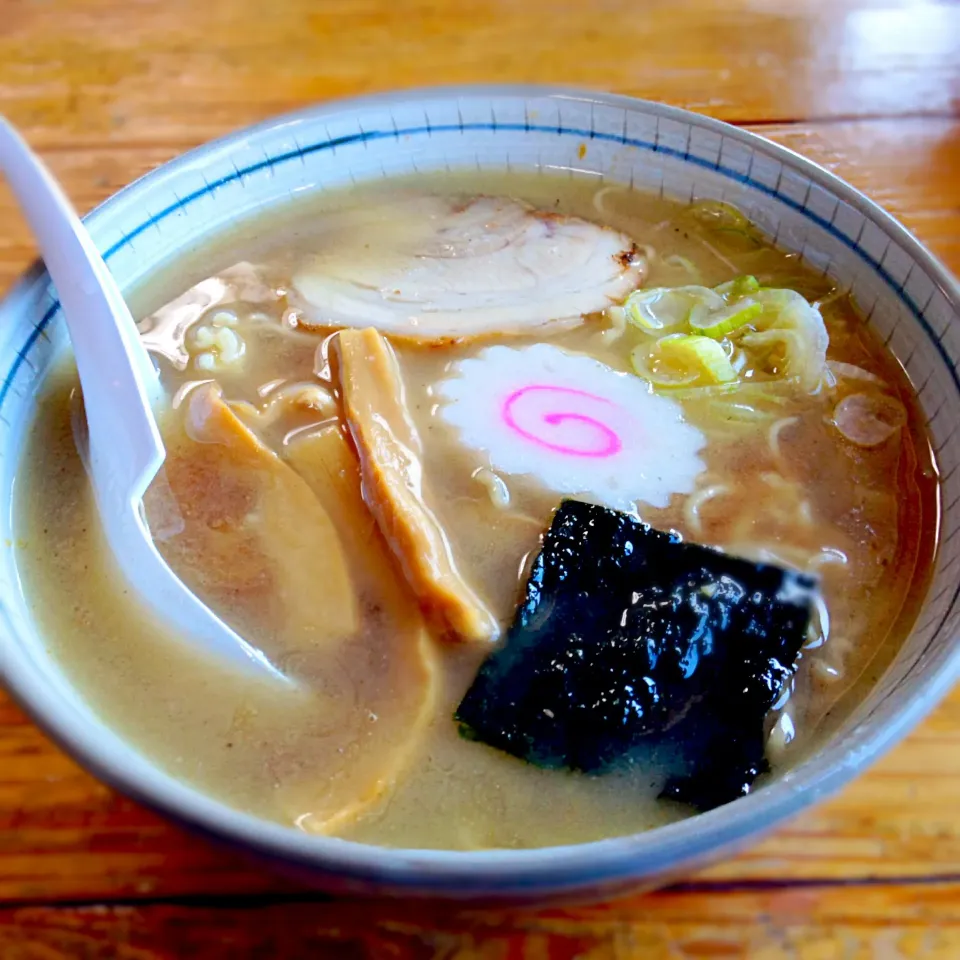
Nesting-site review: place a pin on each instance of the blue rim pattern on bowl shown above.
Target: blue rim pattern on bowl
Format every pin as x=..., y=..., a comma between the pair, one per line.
x=905, y=294
x=461, y=128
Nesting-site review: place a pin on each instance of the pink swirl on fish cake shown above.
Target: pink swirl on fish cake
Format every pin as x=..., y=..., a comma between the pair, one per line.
x=516, y=411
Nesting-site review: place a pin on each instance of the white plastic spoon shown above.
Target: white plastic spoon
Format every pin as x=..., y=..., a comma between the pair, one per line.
x=121, y=390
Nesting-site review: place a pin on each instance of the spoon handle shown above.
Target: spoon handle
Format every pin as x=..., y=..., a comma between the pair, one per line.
x=118, y=378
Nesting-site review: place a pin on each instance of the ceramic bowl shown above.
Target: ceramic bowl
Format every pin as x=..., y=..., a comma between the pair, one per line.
x=904, y=293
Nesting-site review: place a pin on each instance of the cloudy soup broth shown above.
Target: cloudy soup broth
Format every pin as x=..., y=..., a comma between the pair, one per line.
x=571, y=510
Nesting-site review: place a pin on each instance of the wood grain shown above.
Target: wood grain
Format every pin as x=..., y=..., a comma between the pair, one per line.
x=109, y=89
x=170, y=71
x=838, y=923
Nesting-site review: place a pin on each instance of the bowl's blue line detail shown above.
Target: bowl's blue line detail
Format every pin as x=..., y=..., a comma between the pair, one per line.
x=493, y=127
x=300, y=152
x=35, y=334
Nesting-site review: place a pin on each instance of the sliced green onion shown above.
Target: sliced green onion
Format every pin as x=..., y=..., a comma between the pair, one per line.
x=660, y=309
x=640, y=361
x=718, y=323
x=701, y=352
x=738, y=288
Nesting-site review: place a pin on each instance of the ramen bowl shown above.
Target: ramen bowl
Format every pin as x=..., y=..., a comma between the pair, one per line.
x=906, y=296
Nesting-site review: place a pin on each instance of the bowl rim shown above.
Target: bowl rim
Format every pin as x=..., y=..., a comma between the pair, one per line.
x=519, y=874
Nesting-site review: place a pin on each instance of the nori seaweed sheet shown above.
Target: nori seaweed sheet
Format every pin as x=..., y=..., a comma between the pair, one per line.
x=632, y=647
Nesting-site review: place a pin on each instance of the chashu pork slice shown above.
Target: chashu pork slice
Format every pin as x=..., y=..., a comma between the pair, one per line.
x=441, y=268
x=391, y=470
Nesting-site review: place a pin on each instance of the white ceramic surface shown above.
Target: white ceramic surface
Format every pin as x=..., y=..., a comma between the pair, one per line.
x=905, y=294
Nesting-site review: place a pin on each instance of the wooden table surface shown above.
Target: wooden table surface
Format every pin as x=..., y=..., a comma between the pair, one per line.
x=108, y=89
